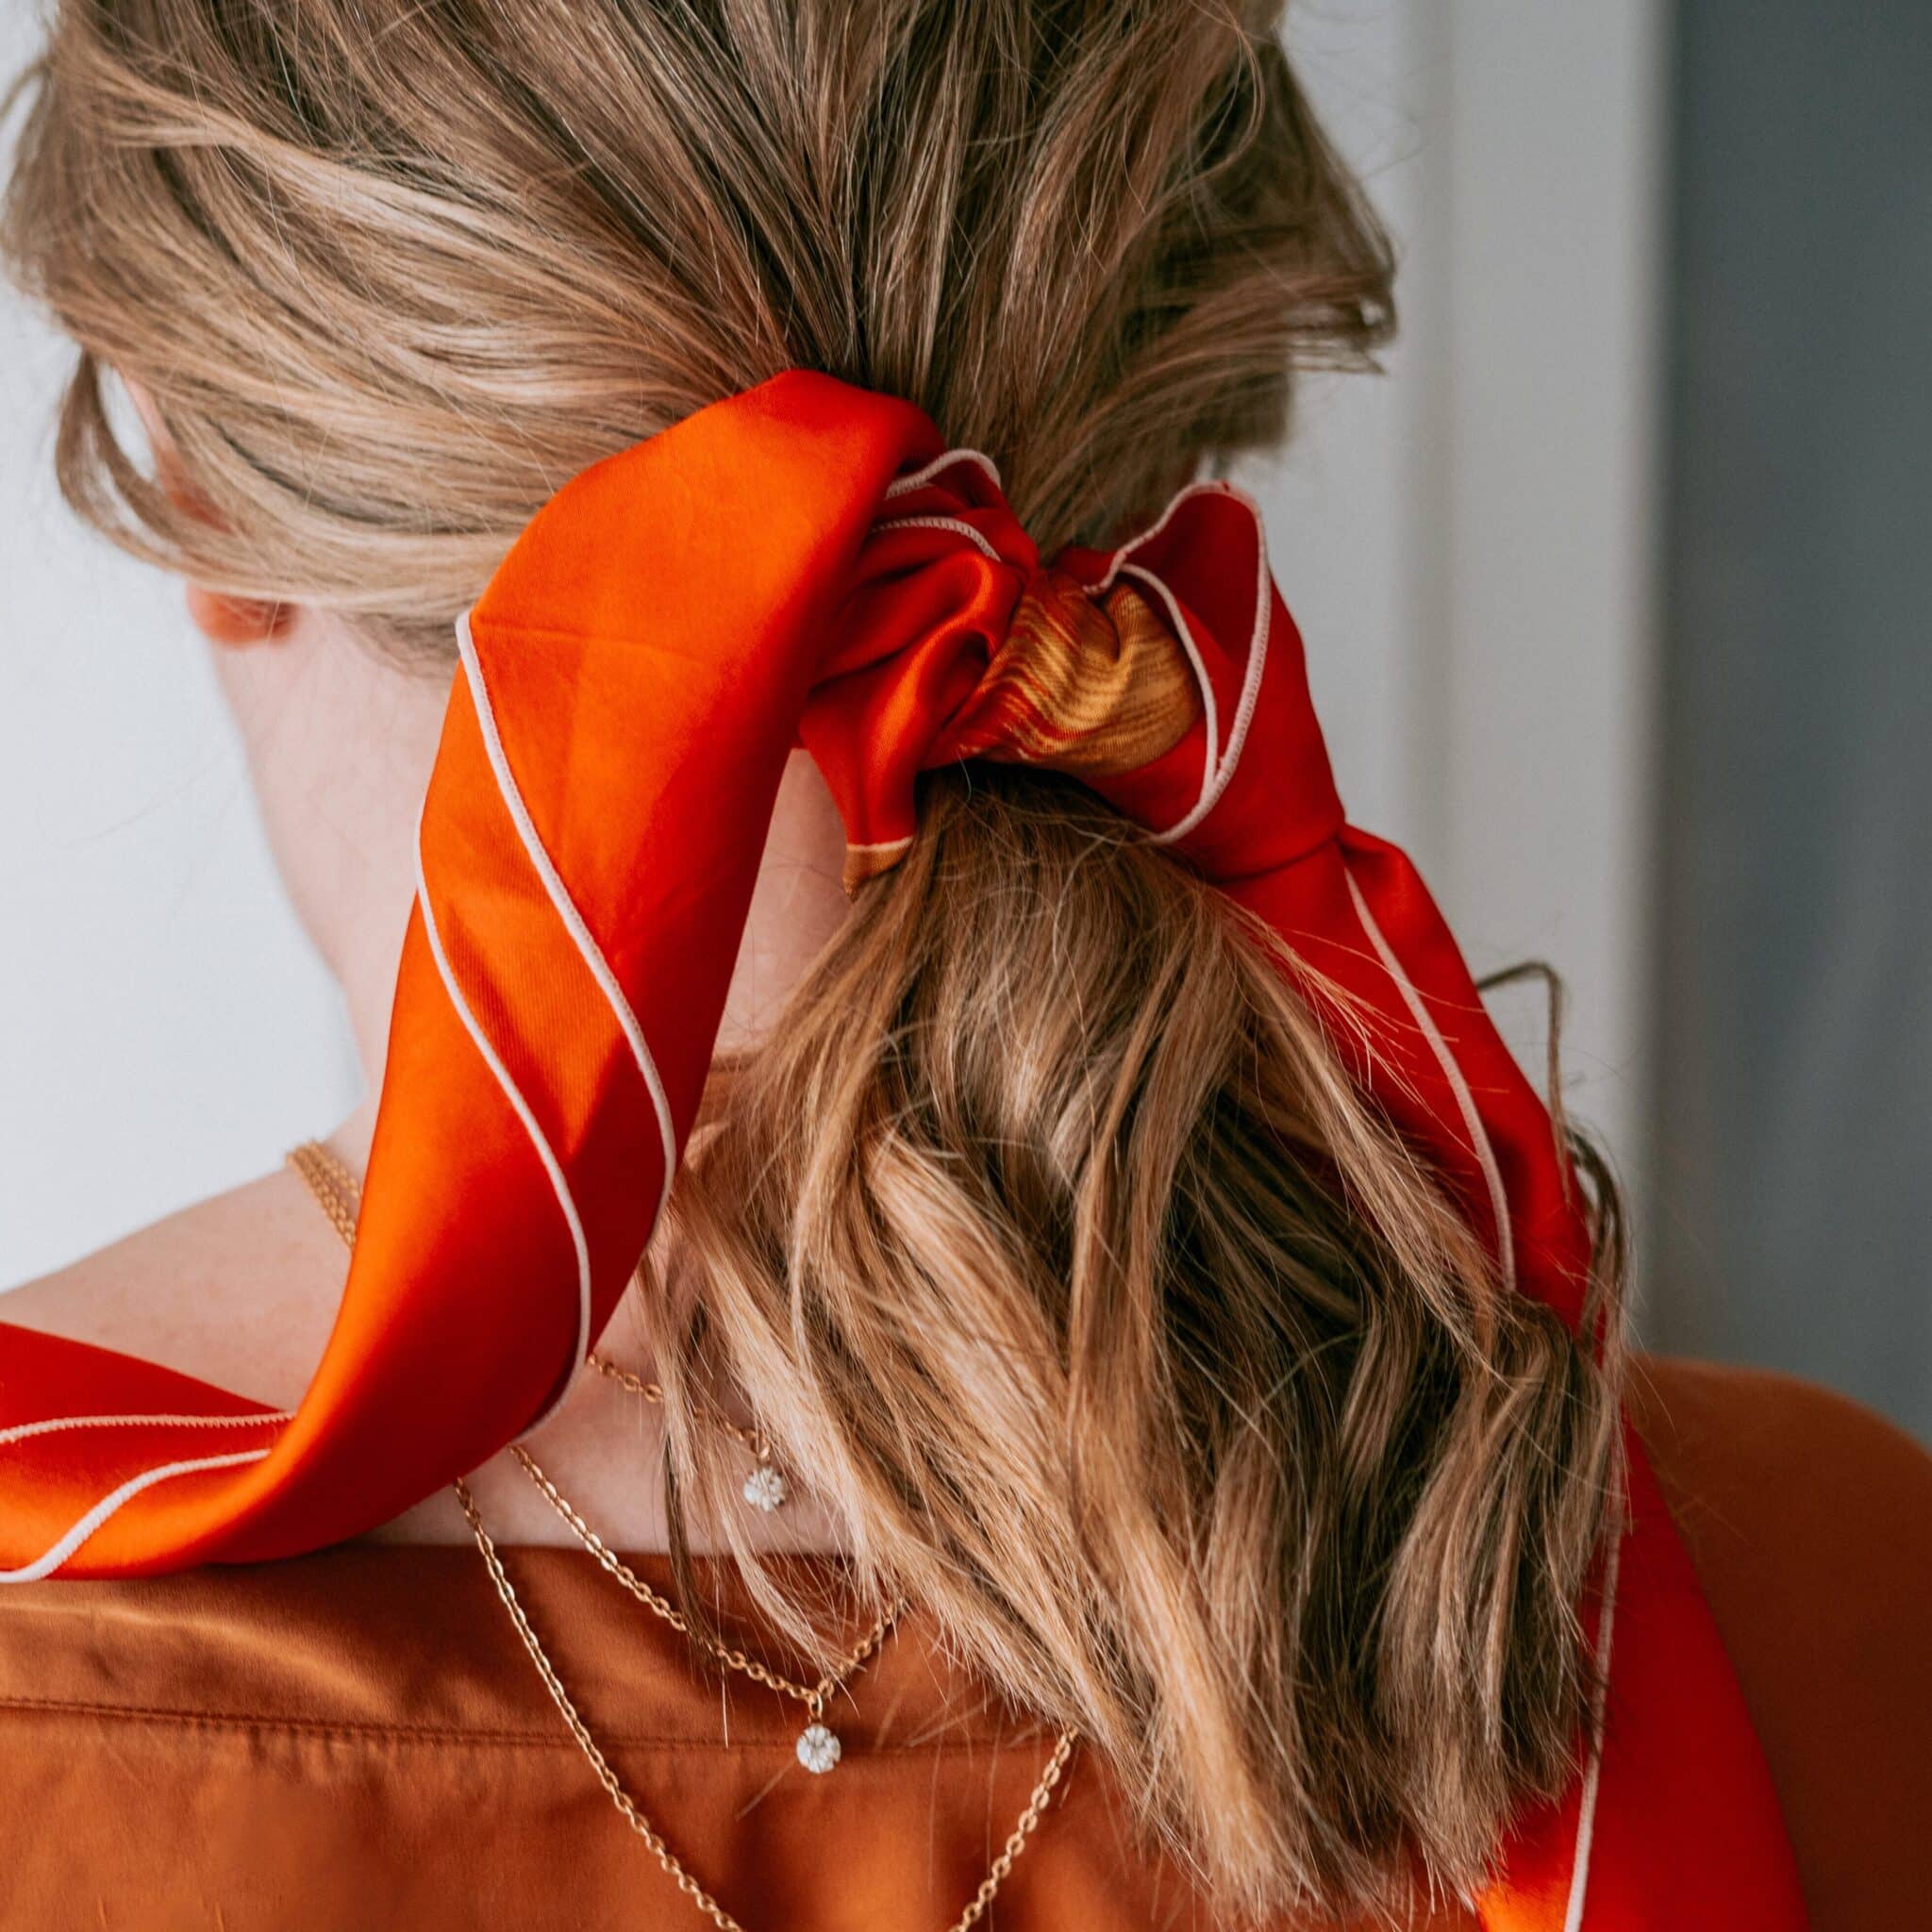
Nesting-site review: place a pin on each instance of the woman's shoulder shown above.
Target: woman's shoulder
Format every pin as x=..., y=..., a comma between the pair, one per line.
x=239, y=1289
x=1761, y=1467
x=1808, y=1518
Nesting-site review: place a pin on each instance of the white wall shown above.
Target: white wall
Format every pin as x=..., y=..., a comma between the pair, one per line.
x=1464, y=541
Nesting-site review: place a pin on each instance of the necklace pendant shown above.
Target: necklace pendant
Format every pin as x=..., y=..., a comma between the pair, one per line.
x=764, y=1488
x=819, y=1749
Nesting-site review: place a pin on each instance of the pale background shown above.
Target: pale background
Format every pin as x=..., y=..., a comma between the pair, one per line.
x=1472, y=544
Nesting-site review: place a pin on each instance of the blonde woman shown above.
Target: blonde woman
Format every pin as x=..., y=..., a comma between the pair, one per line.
x=953, y=1312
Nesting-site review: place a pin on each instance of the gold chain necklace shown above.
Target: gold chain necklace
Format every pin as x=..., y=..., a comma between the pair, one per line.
x=338, y=1194
x=818, y=1747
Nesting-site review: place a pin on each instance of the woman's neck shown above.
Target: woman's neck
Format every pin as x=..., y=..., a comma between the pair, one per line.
x=798, y=903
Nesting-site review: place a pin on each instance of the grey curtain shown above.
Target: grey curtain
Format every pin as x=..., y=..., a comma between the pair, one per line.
x=1789, y=1220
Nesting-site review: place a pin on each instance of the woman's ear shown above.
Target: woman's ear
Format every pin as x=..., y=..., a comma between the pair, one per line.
x=234, y=622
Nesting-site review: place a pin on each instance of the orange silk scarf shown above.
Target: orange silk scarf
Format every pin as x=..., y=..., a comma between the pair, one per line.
x=806, y=564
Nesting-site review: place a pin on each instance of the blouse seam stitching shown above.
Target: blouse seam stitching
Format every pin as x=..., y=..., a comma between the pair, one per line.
x=322, y=1727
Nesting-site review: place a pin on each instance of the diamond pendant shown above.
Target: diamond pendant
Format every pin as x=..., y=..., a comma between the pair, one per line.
x=764, y=1488
x=818, y=1748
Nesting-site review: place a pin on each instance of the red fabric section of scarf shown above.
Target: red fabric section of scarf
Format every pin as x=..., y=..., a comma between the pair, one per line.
x=800, y=565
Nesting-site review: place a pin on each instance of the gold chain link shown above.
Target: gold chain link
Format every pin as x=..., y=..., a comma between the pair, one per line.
x=336, y=1188
x=754, y=1440
x=332, y=1184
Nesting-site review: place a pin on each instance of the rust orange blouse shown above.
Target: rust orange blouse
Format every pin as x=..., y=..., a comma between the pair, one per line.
x=357, y=1739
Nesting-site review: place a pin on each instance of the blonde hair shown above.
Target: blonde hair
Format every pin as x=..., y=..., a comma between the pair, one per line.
x=1046, y=1230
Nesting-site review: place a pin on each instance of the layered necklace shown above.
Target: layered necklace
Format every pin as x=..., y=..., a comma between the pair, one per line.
x=819, y=1749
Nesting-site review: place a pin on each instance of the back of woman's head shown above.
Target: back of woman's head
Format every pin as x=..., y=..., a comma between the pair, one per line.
x=390, y=274
x=1046, y=1233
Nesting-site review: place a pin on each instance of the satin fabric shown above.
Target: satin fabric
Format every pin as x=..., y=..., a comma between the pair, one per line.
x=805, y=565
